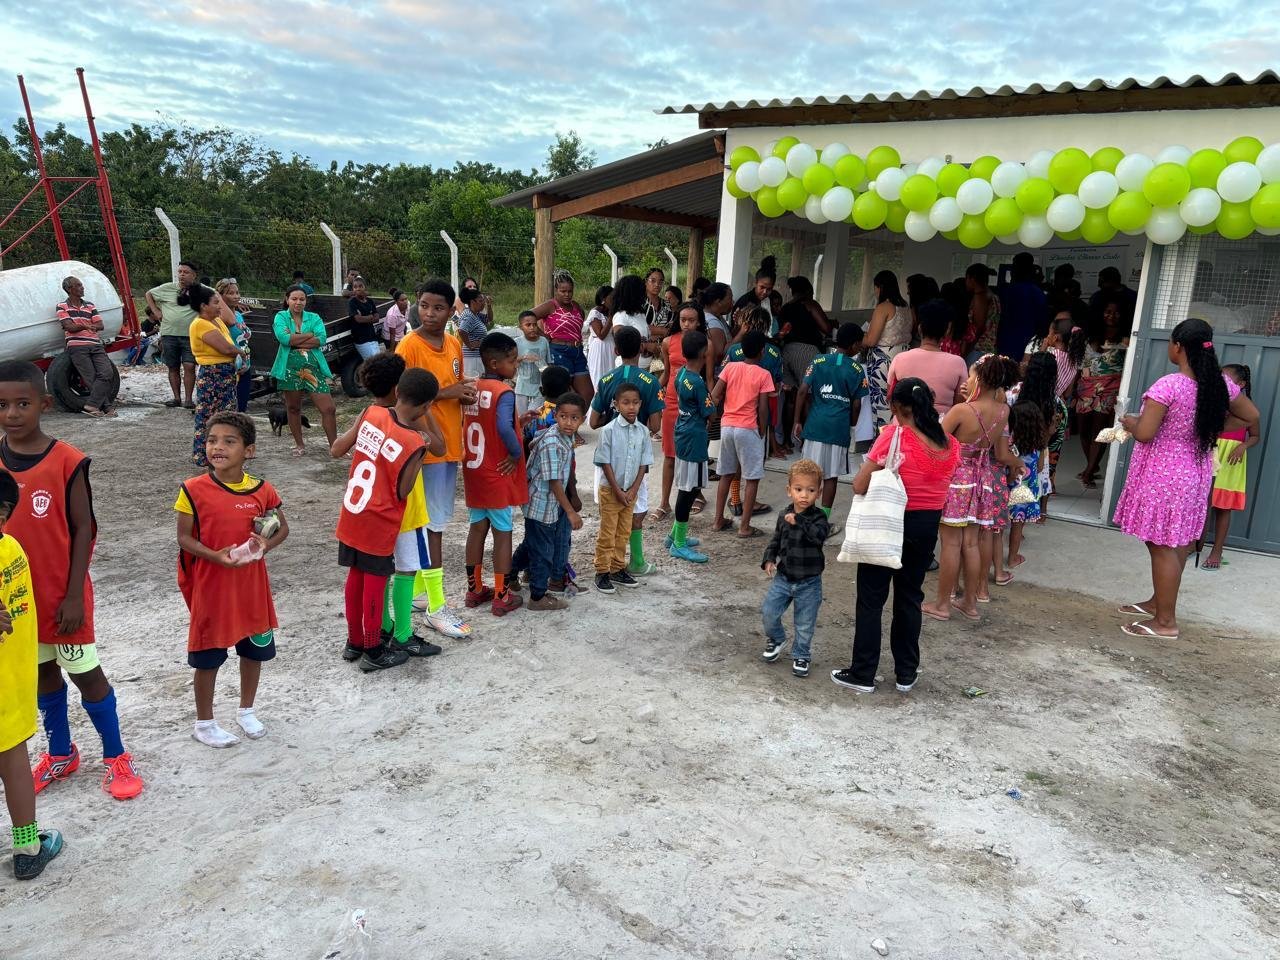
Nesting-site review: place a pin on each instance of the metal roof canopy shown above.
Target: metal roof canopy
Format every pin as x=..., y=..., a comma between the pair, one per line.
x=1096, y=96
x=678, y=184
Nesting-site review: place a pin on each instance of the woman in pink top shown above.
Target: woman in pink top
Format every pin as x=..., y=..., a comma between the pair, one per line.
x=945, y=373
x=562, y=320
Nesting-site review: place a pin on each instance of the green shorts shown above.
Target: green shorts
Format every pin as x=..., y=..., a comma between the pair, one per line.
x=71, y=657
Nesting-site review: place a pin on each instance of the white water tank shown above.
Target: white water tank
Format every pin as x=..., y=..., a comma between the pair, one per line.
x=29, y=297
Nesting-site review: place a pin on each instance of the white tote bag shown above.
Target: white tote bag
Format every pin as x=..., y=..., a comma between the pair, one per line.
x=873, y=532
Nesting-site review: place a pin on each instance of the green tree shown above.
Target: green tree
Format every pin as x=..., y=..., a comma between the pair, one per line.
x=569, y=154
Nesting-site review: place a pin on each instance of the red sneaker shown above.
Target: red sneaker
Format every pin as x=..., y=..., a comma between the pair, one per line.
x=506, y=603
x=477, y=597
x=50, y=768
x=120, y=780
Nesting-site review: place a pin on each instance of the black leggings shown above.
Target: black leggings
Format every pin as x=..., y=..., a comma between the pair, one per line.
x=684, y=503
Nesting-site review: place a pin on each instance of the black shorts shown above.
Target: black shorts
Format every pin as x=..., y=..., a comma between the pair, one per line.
x=175, y=351
x=365, y=562
x=213, y=659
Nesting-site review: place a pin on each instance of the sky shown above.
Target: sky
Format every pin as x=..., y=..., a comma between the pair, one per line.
x=421, y=81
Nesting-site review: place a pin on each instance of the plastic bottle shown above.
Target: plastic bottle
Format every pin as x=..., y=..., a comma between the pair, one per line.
x=247, y=552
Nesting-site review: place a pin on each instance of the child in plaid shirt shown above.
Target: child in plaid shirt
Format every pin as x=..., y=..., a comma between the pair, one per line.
x=550, y=514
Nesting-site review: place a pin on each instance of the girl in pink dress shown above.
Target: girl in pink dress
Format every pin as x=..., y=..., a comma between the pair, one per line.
x=1166, y=491
x=562, y=321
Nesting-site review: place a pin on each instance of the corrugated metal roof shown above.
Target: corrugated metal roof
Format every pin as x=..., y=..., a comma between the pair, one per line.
x=1266, y=78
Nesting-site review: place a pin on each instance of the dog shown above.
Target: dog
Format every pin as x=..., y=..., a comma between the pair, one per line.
x=280, y=419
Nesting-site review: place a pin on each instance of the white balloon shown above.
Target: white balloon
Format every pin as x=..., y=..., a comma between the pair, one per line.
x=1066, y=213
x=800, y=158
x=772, y=171
x=1176, y=153
x=1200, y=207
x=1268, y=231
x=945, y=214
x=767, y=151
x=1038, y=165
x=1098, y=189
x=911, y=169
x=748, y=176
x=1009, y=239
x=974, y=196
x=1165, y=225
x=1239, y=182
x=931, y=166
x=889, y=183
x=1007, y=177
x=1132, y=170
x=833, y=152
x=1034, y=232
x=813, y=210
x=837, y=203
x=919, y=228
x=1268, y=163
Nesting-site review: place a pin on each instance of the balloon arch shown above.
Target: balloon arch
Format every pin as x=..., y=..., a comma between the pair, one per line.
x=1233, y=192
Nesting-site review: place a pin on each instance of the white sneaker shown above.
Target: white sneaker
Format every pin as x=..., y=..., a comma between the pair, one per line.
x=447, y=623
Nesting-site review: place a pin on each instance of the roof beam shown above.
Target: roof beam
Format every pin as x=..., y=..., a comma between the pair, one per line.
x=702, y=170
x=624, y=212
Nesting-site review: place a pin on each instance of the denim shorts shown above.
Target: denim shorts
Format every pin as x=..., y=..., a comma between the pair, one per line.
x=569, y=356
x=500, y=518
x=175, y=351
x=250, y=648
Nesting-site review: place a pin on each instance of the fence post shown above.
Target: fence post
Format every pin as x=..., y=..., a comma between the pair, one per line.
x=817, y=265
x=453, y=258
x=675, y=267
x=337, y=257
x=613, y=259
x=175, y=246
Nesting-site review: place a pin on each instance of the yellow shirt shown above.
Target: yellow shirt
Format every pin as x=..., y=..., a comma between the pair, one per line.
x=445, y=365
x=205, y=355
x=17, y=648
x=415, y=507
x=183, y=505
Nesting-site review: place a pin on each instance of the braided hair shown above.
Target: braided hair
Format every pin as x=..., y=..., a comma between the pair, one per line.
x=559, y=277
x=914, y=394
x=1040, y=384
x=1195, y=337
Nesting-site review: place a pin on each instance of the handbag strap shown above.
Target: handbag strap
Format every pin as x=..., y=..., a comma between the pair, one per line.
x=895, y=457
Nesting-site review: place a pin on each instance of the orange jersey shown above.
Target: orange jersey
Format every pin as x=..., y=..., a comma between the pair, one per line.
x=371, y=507
x=41, y=523
x=485, y=487
x=445, y=365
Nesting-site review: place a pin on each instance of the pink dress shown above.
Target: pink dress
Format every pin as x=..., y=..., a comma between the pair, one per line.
x=1166, y=492
x=979, y=491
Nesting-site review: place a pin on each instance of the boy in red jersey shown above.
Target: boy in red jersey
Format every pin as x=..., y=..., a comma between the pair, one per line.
x=385, y=462
x=493, y=473
x=228, y=594
x=54, y=523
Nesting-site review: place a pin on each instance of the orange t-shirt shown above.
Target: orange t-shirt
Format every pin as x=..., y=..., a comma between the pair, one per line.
x=445, y=364
x=744, y=383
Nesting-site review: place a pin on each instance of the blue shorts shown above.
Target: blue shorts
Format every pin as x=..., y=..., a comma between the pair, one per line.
x=440, y=484
x=569, y=356
x=261, y=648
x=499, y=517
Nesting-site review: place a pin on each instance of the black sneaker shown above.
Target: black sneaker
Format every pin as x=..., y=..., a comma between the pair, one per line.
x=604, y=583
x=735, y=509
x=845, y=678
x=415, y=646
x=800, y=668
x=383, y=658
x=350, y=653
x=29, y=866
x=772, y=650
x=624, y=579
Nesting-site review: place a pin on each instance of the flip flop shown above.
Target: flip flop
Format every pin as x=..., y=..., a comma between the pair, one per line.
x=760, y=509
x=1211, y=565
x=722, y=527
x=661, y=514
x=754, y=533
x=1008, y=579
x=697, y=508
x=298, y=451
x=1134, y=610
x=965, y=613
x=934, y=616
x=1137, y=629
x=173, y=403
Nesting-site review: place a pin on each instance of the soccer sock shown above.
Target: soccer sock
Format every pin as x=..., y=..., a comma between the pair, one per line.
x=351, y=594
x=433, y=583
x=678, y=533
x=26, y=840
x=827, y=511
x=388, y=625
x=107, y=722
x=375, y=590
x=57, y=727
x=499, y=583
x=637, y=548
x=475, y=577
x=685, y=500
x=735, y=491
x=211, y=735
x=402, y=601
x=249, y=723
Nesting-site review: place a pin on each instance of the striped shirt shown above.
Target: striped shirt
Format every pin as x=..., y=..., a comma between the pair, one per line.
x=550, y=458
x=86, y=312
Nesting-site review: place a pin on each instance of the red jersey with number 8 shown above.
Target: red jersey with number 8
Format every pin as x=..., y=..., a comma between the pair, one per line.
x=371, y=507
x=484, y=485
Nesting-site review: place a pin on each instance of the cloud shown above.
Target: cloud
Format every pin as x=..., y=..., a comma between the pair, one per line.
x=426, y=81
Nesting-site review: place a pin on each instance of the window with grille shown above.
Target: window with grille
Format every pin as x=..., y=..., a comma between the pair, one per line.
x=1234, y=285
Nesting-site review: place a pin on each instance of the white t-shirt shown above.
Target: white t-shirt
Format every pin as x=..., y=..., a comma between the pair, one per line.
x=638, y=323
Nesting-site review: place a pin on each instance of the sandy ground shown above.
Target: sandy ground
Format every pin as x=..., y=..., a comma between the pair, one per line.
x=628, y=779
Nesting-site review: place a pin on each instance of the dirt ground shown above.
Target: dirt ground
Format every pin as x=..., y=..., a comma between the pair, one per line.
x=628, y=779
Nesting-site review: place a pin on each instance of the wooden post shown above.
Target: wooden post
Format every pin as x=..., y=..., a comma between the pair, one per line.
x=544, y=253
x=696, y=240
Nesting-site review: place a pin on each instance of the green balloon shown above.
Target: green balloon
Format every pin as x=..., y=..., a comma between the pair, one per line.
x=735, y=191
x=1096, y=228
x=1003, y=217
x=818, y=179
x=850, y=171
x=767, y=202
x=951, y=234
x=973, y=233
x=869, y=211
x=783, y=145
x=1070, y=235
x=1107, y=159
x=950, y=178
x=880, y=159
x=743, y=154
x=1244, y=149
x=895, y=217
x=1067, y=168
x=1167, y=184
x=1129, y=211
x=1204, y=167
x=919, y=192
x=1234, y=222
x=1207, y=228
x=1034, y=196
x=1264, y=208
x=792, y=194
x=984, y=167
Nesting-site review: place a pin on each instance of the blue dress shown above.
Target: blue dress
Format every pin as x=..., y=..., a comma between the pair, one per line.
x=1031, y=480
